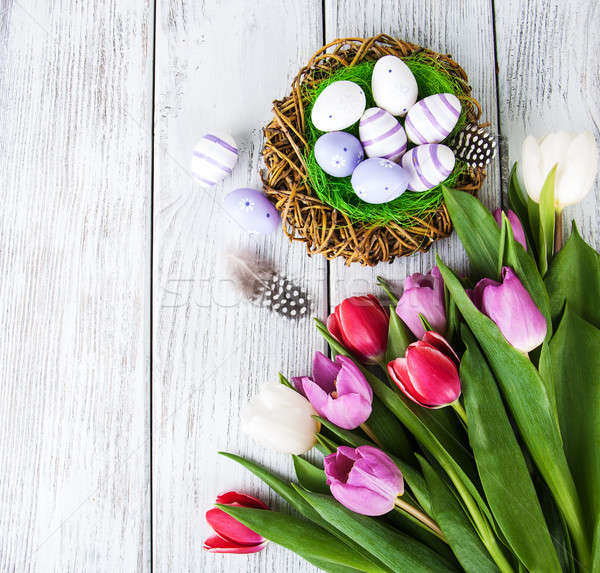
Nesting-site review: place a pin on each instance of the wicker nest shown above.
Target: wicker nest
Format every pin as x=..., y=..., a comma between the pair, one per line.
x=306, y=218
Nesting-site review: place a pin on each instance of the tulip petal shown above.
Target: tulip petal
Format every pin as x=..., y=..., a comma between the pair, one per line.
x=334, y=327
x=316, y=396
x=515, y=223
x=476, y=294
x=398, y=371
x=348, y=411
x=231, y=529
x=242, y=499
x=351, y=380
x=324, y=372
x=298, y=383
x=361, y=499
x=376, y=471
x=216, y=544
x=439, y=342
x=337, y=466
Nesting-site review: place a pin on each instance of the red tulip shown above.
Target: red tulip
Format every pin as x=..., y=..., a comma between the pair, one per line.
x=232, y=536
x=428, y=374
x=361, y=324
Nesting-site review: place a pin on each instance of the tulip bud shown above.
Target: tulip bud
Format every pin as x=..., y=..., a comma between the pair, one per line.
x=428, y=373
x=365, y=479
x=360, y=323
x=338, y=391
x=511, y=307
x=423, y=294
x=280, y=418
x=577, y=157
x=231, y=535
x=515, y=223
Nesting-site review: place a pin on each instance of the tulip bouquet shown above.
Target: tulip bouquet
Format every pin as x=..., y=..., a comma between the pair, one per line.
x=460, y=428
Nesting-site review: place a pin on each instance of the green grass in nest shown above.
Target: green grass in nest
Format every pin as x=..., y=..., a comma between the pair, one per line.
x=337, y=191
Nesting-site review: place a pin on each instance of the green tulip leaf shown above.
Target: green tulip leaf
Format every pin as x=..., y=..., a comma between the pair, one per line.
x=456, y=526
x=398, y=337
x=395, y=550
x=517, y=201
x=502, y=467
x=596, y=550
x=309, y=476
x=283, y=380
x=546, y=219
x=390, y=433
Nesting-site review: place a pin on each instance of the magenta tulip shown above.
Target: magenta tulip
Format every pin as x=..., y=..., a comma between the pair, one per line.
x=511, y=307
x=428, y=373
x=232, y=536
x=338, y=391
x=423, y=294
x=515, y=223
x=361, y=324
x=365, y=479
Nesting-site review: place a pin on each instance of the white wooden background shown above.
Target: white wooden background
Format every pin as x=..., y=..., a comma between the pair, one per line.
x=124, y=356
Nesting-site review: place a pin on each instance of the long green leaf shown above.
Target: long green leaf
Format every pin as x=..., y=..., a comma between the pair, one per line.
x=517, y=199
x=546, y=218
x=575, y=351
x=504, y=475
x=456, y=526
x=394, y=549
x=390, y=433
x=596, y=551
x=302, y=537
x=309, y=476
x=526, y=395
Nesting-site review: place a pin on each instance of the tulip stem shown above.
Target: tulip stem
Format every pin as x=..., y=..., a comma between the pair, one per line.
x=558, y=231
x=420, y=516
x=458, y=408
x=371, y=435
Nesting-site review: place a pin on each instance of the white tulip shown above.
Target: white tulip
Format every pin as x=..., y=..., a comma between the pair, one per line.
x=280, y=418
x=577, y=157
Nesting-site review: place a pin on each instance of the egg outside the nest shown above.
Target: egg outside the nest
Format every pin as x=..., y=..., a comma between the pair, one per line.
x=382, y=135
x=427, y=165
x=338, y=153
x=432, y=118
x=213, y=158
x=379, y=180
x=338, y=106
x=252, y=210
x=394, y=86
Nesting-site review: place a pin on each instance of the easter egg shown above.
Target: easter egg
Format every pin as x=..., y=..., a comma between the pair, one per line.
x=382, y=135
x=213, y=158
x=427, y=165
x=338, y=153
x=338, y=106
x=379, y=180
x=432, y=119
x=252, y=210
x=394, y=86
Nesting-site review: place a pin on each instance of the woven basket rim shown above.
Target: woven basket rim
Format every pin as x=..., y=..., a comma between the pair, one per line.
x=305, y=218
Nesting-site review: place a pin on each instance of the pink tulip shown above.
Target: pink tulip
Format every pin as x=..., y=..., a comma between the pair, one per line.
x=423, y=294
x=360, y=323
x=511, y=307
x=428, y=374
x=515, y=223
x=232, y=536
x=338, y=391
x=365, y=479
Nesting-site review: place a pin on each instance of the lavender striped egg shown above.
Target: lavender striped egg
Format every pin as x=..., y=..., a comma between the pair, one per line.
x=427, y=165
x=381, y=135
x=213, y=158
x=432, y=119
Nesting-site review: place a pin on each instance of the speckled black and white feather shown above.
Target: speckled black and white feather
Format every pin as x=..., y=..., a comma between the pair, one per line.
x=475, y=145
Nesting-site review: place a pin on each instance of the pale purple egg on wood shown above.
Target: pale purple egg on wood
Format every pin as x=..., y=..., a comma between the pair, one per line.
x=213, y=158
x=379, y=180
x=382, y=135
x=432, y=119
x=252, y=210
x=427, y=165
x=338, y=153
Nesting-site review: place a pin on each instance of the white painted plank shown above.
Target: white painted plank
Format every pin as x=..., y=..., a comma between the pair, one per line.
x=218, y=67
x=549, y=80
x=75, y=110
x=464, y=30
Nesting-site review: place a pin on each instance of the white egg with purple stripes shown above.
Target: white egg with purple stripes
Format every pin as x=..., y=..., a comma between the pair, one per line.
x=432, y=119
x=427, y=165
x=394, y=86
x=382, y=135
x=338, y=106
x=379, y=180
x=213, y=158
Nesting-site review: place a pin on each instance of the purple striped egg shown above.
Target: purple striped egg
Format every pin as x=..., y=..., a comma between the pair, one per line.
x=427, y=165
x=432, y=119
x=382, y=135
x=252, y=210
x=213, y=158
x=379, y=180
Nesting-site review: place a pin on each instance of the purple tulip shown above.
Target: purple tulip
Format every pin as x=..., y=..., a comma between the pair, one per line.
x=338, y=391
x=511, y=307
x=515, y=223
x=423, y=294
x=365, y=479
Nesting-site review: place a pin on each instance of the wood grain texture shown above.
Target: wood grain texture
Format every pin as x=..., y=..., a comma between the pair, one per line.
x=75, y=110
x=218, y=67
x=549, y=80
x=463, y=29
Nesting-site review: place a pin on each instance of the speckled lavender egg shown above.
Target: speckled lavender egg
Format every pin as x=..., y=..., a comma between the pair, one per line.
x=338, y=153
x=379, y=180
x=252, y=210
x=427, y=165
